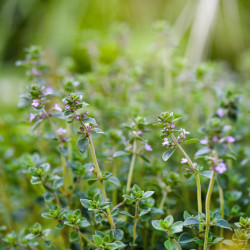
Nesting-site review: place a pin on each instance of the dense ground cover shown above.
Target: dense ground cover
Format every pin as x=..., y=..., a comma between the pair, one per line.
x=133, y=154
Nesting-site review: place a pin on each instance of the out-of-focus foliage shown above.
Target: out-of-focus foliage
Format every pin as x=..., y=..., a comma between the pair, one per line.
x=130, y=71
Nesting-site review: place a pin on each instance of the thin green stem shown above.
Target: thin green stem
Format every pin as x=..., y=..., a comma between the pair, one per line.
x=53, y=192
x=175, y=241
x=164, y=197
x=99, y=174
x=80, y=239
x=63, y=159
x=70, y=155
x=198, y=183
x=208, y=198
x=89, y=241
x=221, y=211
x=131, y=168
x=52, y=245
x=135, y=222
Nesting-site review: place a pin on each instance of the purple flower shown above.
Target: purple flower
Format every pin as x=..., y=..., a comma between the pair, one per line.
x=172, y=126
x=67, y=107
x=220, y=112
x=126, y=142
x=230, y=139
x=215, y=139
x=57, y=107
x=89, y=134
x=32, y=117
x=51, y=113
x=166, y=142
x=204, y=141
x=91, y=169
x=35, y=103
x=185, y=132
x=139, y=132
x=184, y=160
x=36, y=73
x=61, y=131
x=49, y=91
x=87, y=113
x=77, y=117
x=77, y=102
x=220, y=168
x=148, y=147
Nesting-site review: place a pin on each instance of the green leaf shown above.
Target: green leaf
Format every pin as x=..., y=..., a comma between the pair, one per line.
x=194, y=140
x=60, y=115
x=127, y=214
x=97, y=239
x=120, y=153
x=60, y=226
x=148, y=194
x=99, y=131
x=58, y=183
x=119, y=244
x=114, y=181
x=90, y=120
x=64, y=151
x=177, y=227
x=82, y=144
x=208, y=174
x=223, y=224
x=185, y=238
x=228, y=243
x=36, y=124
x=85, y=203
x=145, y=211
x=46, y=232
x=191, y=221
x=47, y=215
x=202, y=151
x=216, y=240
x=48, y=197
x=92, y=181
x=73, y=236
x=156, y=225
x=230, y=157
x=170, y=245
x=167, y=154
x=84, y=223
x=186, y=215
x=118, y=234
x=169, y=220
x=35, y=180
x=47, y=243
x=145, y=158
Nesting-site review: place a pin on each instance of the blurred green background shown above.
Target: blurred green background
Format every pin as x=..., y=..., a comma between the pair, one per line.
x=61, y=27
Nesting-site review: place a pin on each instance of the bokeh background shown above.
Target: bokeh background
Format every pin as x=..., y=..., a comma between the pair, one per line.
x=131, y=57
x=216, y=30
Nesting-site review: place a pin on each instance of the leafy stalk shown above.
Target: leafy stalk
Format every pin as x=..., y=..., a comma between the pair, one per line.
x=198, y=183
x=208, y=198
x=63, y=160
x=53, y=192
x=99, y=174
x=80, y=239
x=175, y=241
x=131, y=168
x=136, y=220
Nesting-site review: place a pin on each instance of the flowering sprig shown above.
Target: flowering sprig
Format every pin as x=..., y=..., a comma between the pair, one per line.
x=166, y=122
x=74, y=107
x=35, y=67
